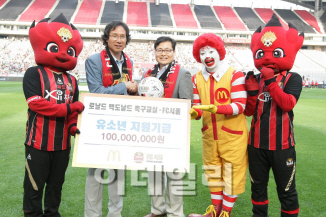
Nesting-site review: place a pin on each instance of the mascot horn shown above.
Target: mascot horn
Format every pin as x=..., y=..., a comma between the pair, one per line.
x=274, y=47
x=56, y=44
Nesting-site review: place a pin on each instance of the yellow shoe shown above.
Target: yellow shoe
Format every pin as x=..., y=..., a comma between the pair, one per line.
x=225, y=213
x=211, y=211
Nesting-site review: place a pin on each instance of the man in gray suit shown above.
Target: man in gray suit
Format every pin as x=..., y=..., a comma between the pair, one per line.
x=108, y=72
x=177, y=84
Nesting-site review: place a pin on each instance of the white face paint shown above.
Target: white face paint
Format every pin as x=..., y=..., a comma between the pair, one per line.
x=210, y=58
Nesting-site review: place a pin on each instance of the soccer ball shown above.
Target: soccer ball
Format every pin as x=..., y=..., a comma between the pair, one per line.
x=150, y=87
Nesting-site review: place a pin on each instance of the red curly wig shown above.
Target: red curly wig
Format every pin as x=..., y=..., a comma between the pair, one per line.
x=208, y=39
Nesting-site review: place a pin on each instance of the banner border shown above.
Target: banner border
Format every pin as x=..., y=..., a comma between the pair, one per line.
x=83, y=95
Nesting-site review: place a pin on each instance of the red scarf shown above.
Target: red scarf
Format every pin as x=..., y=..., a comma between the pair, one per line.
x=111, y=74
x=168, y=81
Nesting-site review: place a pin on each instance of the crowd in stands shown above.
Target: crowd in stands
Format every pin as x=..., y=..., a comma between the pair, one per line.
x=13, y=68
x=17, y=55
x=14, y=56
x=139, y=52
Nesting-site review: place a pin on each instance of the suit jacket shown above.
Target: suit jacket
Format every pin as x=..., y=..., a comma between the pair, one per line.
x=94, y=77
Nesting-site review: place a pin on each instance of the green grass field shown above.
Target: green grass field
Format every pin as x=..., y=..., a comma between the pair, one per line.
x=310, y=135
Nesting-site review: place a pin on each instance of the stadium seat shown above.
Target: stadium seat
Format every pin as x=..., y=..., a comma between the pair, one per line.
x=65, y=7
x=290, y=17
x=88, y=12
x=137, y=14
x=183, y=16
x=112, y=11
x=323, y=20
x=249, y=18
x=13, y=9
x=37, y=10
x=2, y=2
x=310, y=59
x=266, y=14
x=206, y=17
x=229, y=18
x=309, y=18
x=160, y=15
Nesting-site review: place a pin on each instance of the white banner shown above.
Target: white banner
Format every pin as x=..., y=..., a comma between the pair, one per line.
x=133, y=132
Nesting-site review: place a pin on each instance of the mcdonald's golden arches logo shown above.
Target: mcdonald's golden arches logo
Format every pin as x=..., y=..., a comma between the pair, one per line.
x=114, y=153
x=222, y=95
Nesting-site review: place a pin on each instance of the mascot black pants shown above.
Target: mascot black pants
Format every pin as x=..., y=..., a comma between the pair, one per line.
x=44, y=168
x=283, y=163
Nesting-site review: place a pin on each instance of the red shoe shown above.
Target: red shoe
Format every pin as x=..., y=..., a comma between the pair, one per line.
x=225, y=213
x=211, y=211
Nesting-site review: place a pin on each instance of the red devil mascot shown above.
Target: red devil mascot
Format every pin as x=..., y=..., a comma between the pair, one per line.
x=52, y=98
x=272, y=95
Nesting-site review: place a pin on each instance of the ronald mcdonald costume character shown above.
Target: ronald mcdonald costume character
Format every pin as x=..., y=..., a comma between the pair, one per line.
x=219, y=90
x=52, y=98
x=272, y=95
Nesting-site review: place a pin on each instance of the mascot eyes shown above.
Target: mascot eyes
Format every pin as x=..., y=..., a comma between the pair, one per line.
x=259, y=54
x=278, y=53
x=71, y=52
x=52, y=47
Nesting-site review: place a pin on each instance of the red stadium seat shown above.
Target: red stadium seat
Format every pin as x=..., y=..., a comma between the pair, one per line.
x=311, y=20
x=183, y=16
x=229, y=18
x=88, y=12
x=37, y=10
x=266, y=14
x=2, y=1
x=137, y=14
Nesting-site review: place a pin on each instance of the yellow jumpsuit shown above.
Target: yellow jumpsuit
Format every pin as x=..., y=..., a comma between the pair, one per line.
x=224, y=139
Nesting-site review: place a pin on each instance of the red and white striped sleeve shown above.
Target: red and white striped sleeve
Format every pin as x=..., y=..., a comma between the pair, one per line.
x=238, y=93
x=238, y=96
x=196, y=100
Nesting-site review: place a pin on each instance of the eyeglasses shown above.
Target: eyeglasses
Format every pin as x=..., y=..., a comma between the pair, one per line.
x=167, y=51
x=116, y=37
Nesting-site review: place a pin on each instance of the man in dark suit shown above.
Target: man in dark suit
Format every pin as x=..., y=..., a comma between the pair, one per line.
x=177, y=84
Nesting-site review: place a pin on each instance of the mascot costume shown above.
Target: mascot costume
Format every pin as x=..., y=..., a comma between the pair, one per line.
x=220, y=97
x=272, y=95
x=52, y=98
